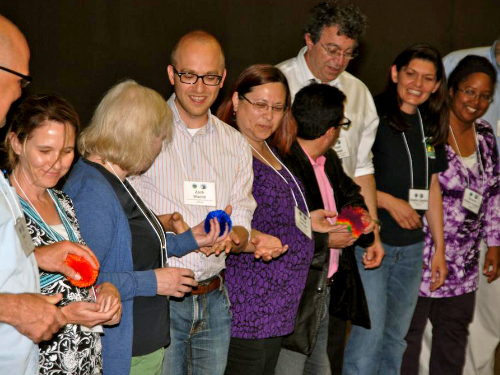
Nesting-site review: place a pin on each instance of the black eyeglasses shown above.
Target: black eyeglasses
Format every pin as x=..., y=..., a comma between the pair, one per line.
x=263, y=106
x=192, y=78
x=344, y=124
x=25, y=80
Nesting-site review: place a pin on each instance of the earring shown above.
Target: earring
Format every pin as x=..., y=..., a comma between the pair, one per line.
x=234, y=116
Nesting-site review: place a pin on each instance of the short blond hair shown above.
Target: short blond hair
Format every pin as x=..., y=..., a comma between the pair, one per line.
x=125, y=125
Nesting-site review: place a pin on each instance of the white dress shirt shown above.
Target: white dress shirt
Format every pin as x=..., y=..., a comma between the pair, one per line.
x=359, y=108
x=216, y=153
x=18, y=274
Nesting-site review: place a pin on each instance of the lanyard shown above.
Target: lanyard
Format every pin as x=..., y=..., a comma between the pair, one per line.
x=157, y=227
x=425, y=153
x=462, y=160
x=283, y=178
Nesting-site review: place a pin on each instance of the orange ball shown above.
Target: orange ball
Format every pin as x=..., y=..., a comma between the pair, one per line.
x=83, y=267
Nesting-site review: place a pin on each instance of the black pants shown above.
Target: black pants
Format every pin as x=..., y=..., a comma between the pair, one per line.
x=450, y=318
x=253, y=357
x=337, y=330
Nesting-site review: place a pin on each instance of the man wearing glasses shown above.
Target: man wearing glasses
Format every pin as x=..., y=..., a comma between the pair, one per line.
x=206, y=166
x=25, y=317
x=331, y=33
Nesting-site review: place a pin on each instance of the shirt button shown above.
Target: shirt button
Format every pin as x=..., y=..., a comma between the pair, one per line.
x=319, y=290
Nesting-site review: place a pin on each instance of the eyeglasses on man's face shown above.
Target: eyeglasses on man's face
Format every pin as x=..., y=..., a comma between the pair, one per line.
x=264, y=107
x=334, y=51
x=25, y=80
x=192, y=78
x=472, y=95
x=344, y=124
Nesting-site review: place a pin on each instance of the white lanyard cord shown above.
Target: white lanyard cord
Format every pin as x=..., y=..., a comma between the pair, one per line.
x=283, y=178
x=425, y=154
x=162, y=238
x=462, y=160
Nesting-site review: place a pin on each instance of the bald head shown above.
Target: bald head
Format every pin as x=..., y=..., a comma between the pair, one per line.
x=197, y=37
x=14, y=55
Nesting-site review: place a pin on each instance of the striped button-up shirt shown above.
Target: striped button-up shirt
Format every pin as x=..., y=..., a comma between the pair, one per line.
x=216, y=153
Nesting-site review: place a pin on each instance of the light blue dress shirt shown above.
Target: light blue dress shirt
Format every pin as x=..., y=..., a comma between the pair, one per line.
x=18, y=274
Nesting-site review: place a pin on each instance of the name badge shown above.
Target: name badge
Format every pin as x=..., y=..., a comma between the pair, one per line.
x=498, y=128
x=431, y=152
x=24, y=236
x=303, y=222
x=199, y=193
x=472, y=200
x=419, y=199
x=341, y=148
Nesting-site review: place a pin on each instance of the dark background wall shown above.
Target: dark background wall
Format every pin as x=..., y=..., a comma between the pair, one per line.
x=81, y=48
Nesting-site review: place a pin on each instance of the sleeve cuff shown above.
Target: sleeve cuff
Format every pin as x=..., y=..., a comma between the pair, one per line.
x=146, y=283
x=181, y=244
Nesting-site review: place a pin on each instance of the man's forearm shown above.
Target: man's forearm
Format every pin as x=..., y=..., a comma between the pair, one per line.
x=8, y=308
x=369, y=192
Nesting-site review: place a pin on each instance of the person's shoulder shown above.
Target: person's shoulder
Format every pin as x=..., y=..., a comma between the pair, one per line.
x=85, y=179
x=227, y=130
x=348, y=80
x=461, y=53
x=288, y=66
x=485, y=129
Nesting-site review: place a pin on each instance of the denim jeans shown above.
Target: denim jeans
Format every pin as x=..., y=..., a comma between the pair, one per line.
x=293, y=363
x=200, y=330
x=392, y=293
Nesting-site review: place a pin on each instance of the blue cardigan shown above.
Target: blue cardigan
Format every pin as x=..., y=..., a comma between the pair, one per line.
x=105, y=228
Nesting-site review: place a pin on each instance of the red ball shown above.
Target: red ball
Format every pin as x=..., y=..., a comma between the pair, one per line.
x=83, y=267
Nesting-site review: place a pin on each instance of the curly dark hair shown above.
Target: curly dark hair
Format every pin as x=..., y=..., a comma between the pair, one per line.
x=341, y=13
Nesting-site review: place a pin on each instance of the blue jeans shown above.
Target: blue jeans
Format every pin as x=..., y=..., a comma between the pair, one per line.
x=392, y=293
x=200, y=330
x=293, y=363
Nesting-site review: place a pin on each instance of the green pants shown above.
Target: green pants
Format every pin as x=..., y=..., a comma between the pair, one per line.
x=150, y=364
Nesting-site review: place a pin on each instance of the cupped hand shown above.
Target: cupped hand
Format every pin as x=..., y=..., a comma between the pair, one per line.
x=51, y=257
x=321, y=220
x=108, y=297
x=372, y=258
x=87, y=313
x=173, y=222
x=267, y=247
x=340, y=237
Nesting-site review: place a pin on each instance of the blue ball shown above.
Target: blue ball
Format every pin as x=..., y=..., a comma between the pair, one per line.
x=223, y=218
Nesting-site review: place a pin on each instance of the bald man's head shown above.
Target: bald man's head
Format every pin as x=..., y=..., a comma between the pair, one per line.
x=14, y=55
x=197, y=36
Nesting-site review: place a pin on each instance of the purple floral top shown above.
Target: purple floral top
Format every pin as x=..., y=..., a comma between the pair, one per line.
x=265, y=295
x=463, y=230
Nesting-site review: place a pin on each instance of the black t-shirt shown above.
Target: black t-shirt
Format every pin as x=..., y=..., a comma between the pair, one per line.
x=151, y=314
x=393, y=176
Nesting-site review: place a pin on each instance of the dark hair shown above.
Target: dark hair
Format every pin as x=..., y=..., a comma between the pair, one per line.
x=32, y=113
x=434, y=111
x=316, y=108
x=469, y=65
x=257, y=75
x=343, y=14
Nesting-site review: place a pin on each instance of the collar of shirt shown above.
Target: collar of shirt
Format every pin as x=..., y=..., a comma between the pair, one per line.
x=307, y=75
x=180, y=124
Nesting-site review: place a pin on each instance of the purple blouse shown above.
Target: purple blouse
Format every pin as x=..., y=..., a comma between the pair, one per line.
x=464, y=230
x=265, y=295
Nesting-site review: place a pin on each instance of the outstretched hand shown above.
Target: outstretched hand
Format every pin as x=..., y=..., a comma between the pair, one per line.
x=267, y=247
x=320, y=220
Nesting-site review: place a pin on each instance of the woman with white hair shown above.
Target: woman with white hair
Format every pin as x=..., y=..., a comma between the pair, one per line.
x=124, y=137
